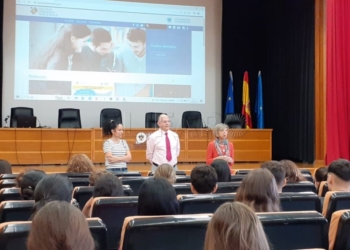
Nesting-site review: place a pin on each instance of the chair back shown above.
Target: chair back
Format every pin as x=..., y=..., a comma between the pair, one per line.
x=228, y=187
x=20, y=112
x=113, y=211
x=294, y=230
x=237, y=177
x=80, y=182
x=13, y=235
x=10, y=194
x=242, y=172
x=192, y=119
x=203, y=203
x=69, y=118
x=335, y=201
x=16, y=210
x=8, y=176
x=305, y=171
x=7, y=183
x=98, y=232
x=134, y=183
x=109, y=114
x=302, y=186
x=323, y=189
x=128, y=174
x=339, y=230
x=235, y=121
x=183, y=179
x=151, y=119
x=186, y=232
x=309, y=178
x=77, y=175
x=303, y=201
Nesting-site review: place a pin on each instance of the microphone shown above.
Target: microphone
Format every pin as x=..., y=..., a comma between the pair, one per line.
x=7, y=117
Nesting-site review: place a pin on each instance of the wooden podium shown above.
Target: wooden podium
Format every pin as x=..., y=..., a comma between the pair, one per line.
x=55, y=146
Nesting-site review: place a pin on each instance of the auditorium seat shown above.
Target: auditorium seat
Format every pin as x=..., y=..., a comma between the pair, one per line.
x=294, y=230
x=302, y=186
x=80, y=182
x=309, y=178
x=237, y=177
x=242, y=172
x=134, y=183
x=99, y=233
x=303, y=201
x=8, y=176
x=339, y=230
x=203, y=203
x=10, y=194
x=13, y=235
x=235, y=121
x=113, y=211
x=128, y=174
x=69, y=118
x=183, y=179
x=19, y=112
x=223, y=187
x=185, y=232
x=150, y=173
x=109, y=114
x=151, y=119
x=192, y=119
x=77, y=175
x=7, y=183
x=323, y=189
x=15, y=210
x=334, y=201
x=83, y=194
x=182, y=188
x=305, y=171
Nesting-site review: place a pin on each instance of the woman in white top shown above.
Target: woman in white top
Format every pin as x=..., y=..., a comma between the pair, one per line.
x=117, y=152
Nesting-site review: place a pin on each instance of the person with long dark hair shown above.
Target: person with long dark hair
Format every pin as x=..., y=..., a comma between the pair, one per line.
x=117, y=152
x=29, y=182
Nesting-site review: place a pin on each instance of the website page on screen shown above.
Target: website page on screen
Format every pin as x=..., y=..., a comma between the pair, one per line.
x=109, y=51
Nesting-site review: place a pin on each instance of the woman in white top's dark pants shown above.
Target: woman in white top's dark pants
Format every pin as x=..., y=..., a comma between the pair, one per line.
x=117, y=152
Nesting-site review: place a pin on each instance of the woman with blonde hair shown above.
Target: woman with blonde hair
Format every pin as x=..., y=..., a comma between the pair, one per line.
x=234, y=226
x=80, y=163
x=166, y=171
x=259, y=191
x=293, y=174
x=220, y=148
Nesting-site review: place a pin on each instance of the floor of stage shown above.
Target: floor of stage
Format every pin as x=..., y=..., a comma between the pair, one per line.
x=144, y=168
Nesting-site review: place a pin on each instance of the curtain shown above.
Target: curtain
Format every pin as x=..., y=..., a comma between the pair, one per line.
x=338, y=80
x=276, y=37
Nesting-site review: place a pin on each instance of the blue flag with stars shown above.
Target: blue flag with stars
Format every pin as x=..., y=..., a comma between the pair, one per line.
x=230, y=109
x=259, y=110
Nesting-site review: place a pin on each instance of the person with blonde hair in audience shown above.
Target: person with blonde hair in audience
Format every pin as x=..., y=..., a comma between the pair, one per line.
x=277, y=170
x=339, y=175
x=166, y=171
x=234, y=226
x=60, y=226
x=259, y=191
x=293, y=174
x=220, y=148
x=80, y=163
x=204, y=180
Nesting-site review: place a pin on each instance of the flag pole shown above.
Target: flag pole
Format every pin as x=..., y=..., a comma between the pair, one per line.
x=231, y=76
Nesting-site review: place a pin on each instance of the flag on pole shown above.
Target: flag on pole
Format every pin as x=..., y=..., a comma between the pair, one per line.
x=246, y=102
x=259, y=104
x=230, y=108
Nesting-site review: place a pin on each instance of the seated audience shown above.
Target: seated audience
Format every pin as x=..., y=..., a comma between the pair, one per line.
x=19, y=178
x=108, y=185
x=166, y=171
x=29, y=181
x=95, y=175
x=259, y=191
x=320, y=175
x=80, y=163
x=234, y=226
x=157, y=197
x=52, y=188
x=339, y=175
x=203, y=180
x=222, y=170
x=278, y=171
x=5, y=167
x=60, y=226
x=293, y=174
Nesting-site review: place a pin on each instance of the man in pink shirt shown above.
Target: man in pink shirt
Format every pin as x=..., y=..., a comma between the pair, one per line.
x=163, y=146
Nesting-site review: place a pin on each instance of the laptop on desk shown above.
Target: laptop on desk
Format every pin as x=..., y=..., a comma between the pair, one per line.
x=26, y=121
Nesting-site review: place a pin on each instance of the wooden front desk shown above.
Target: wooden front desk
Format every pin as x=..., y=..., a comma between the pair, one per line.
x=56, y=146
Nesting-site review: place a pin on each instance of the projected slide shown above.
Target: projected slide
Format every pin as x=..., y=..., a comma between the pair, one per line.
x=109, y=51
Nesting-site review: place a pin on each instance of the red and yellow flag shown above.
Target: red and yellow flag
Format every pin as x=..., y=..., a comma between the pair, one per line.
x=246, y=102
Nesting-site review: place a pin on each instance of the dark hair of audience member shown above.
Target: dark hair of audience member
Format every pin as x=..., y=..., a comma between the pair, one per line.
x=5, y=167
x=234, y=226
x=60, y=226
x=137, y=35
x=293, y=174
x=95, y=175
x=277, y=170
x=52, y=188
x=321, y=174
x=29, y=181
x=80, y=163
x=259, y=191
x=157, y=197
x=341, y=168
x=204, y=179
x=166, y=171
x=100, y=35
x=108, y=127
x=222, y=170
x=108, y=185
x=19, y=178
